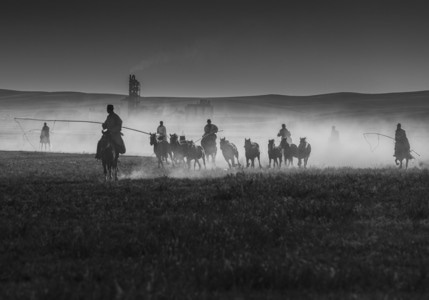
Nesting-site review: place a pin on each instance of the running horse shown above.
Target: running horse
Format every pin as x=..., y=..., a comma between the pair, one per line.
x=208, y=142
x=178, y=148
x=274, y=154
x=304, y=150
x=289, y=152
x=109, y=157
x=229, y=151
x=195, y=152
x=402, y=151
x=252, y=151
x=161, y=149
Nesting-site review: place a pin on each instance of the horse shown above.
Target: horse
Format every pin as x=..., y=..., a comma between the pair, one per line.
x=229, y=151
x=195, y=152
x=275, y=154
x=252, y=152
x=402, y=152
x=178, y=149
x=161, y=149
x=45, y=141
x=109, y=157
x=208, y=142
x=289, y=152
x=304, y=150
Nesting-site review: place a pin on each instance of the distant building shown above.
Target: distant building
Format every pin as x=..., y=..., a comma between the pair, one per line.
x=201, y=109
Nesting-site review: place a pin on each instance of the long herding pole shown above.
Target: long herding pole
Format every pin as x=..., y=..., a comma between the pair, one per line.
x=376, y=133
x=79, y=121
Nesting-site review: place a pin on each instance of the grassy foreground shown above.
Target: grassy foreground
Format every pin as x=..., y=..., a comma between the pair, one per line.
x=332, y=233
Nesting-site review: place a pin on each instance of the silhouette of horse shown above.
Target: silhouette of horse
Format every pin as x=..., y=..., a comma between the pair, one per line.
x=304, y=150
x=178, y=149
x=252, y=152
x=208, y=142
x=229, y=151
x=45, y=142
x=289, y=152
x=275, y=154
x=402, y=152
x=161, y=149
x=194, y=152
x=109, y=157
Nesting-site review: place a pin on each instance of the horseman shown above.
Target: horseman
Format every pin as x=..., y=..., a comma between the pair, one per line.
x=402, y=146
x=285, y=134
x=45, y=133
x=210, y=131
x=112, y=127
x=162, y=132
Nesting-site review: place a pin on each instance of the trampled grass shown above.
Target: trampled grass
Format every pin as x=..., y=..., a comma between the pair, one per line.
x=316, y=233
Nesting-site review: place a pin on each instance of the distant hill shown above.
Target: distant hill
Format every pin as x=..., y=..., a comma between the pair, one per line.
x=338, y=105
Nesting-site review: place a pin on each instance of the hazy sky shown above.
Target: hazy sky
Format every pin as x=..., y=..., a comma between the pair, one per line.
x=215, y=48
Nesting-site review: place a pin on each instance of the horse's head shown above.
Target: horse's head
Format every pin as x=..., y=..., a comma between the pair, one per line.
x=173, y=138
x=302, y=140
x=247, y=143
x=152, y=138
x=106, y=141
x=271, y=143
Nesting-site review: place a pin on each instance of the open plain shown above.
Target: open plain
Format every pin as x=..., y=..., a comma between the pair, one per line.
x=332, y=233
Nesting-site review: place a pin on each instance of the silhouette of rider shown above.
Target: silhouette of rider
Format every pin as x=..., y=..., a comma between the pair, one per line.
x=44, y=133
x=401, y=141
x=285, y=134
x=161, y=131
x=112, y=126
x=335, y=135
x=210, y=131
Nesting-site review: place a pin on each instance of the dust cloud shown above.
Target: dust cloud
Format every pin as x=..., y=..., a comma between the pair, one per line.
x=354, y=149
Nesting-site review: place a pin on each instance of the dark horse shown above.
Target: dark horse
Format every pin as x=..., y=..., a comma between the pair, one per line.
x=275, y=154
x=178, y=149
x=289, y=152
x=194, y=152
x=45, y=142
x=304, y=150
x=161, y=149
x=109, y=156
x=252, y=152
x=229, y=151
x=209, y=144
x=402, y=151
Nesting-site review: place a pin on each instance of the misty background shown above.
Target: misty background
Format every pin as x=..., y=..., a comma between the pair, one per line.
x=255, y=117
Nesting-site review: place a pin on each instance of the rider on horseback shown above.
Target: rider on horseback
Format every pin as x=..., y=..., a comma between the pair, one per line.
x=402, y=144
x=162, y=132
x=112, y=127
x=210, y=131
x=44, y=133
x=285, y=134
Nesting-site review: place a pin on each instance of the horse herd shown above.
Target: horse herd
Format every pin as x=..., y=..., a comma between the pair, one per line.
x=182, y=151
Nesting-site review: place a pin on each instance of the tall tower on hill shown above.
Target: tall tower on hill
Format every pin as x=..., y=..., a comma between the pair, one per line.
x=130, y=104
x=133, y=92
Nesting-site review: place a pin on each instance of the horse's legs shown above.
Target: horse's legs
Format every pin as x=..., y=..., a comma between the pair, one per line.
x=406, y=163
x=299, y=162
x=104, y=171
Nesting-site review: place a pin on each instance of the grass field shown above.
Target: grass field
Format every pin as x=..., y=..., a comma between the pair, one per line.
x=317, y=233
